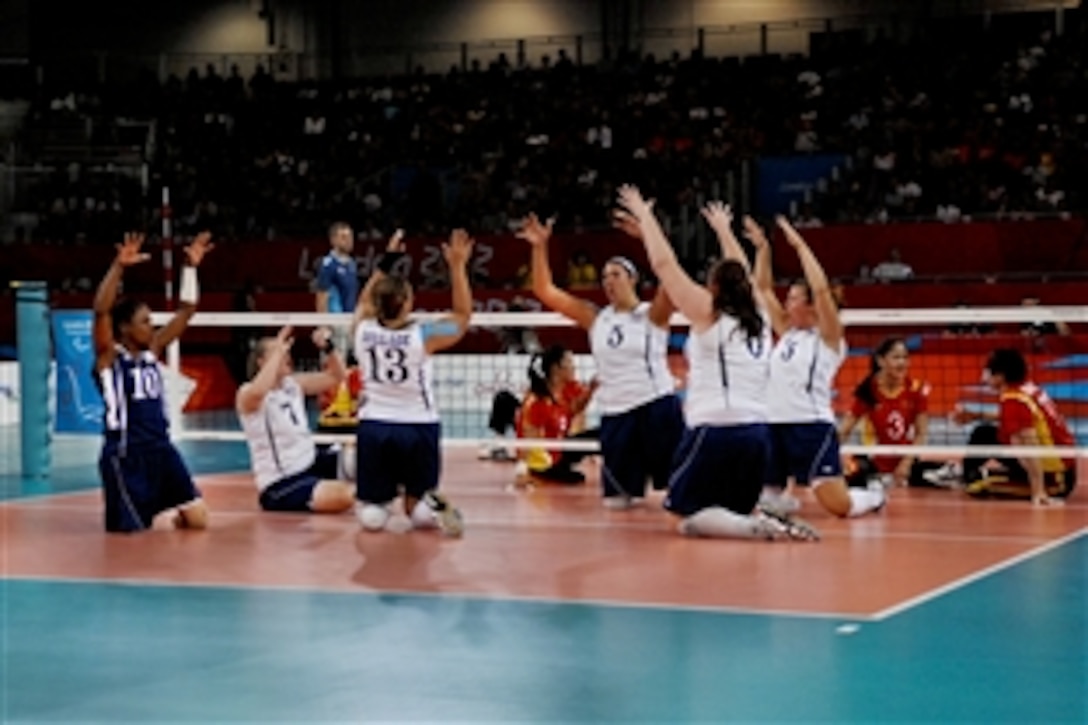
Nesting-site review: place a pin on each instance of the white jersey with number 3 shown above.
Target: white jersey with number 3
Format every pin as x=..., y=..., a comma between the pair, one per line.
x=631, y=355
x=728, y=374
x=397, y=373
x=803, y=370
x=278, y=435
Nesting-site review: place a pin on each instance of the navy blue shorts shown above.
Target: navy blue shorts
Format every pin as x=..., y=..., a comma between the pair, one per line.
x=719, y=466
x=805, y=451
x=639, y=444
x=143, y=483
x=295, y=493
x=390, y=455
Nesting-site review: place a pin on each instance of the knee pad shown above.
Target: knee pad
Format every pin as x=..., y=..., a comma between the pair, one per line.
x=372, y=516
x=345, y=466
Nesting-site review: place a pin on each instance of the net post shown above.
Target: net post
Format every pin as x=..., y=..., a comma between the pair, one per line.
x=34, y=354
x=167, y=250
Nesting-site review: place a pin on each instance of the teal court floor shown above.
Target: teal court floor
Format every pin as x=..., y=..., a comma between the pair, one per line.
x=1002, y=642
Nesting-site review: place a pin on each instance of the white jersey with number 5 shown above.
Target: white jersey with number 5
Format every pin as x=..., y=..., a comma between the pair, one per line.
x=631, y=355
x=397, y=374
x=278, y=435
x=803, y=369
x=728, y=374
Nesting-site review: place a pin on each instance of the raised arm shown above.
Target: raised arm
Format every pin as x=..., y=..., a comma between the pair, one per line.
x=249, y=396
x=335, y=371
x=763, y=277
x=128, y=254
x=364, y=305
x=661, y=307
x=827, y=311
x=457, y=253
x=188, y=294
x=720, y=218
x=537, y=234
x=692, y=299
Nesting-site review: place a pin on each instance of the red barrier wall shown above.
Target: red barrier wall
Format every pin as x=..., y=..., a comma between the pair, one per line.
x=931, y=249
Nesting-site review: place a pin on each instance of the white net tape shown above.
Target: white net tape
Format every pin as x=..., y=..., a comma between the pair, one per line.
x=952, y=367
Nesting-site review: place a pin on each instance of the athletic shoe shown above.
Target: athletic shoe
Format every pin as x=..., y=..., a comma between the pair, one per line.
x=783, y=503
x=769, y=527
x=947, y=476
x=449, y=519
x=795, y=528
x=883, y=497
x=618, y=503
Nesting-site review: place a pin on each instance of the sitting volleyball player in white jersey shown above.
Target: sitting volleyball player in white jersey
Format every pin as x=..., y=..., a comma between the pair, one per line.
x=290, y=472
x=641, y=419
x=811, y=347
x=399, y=429
x=719, y=467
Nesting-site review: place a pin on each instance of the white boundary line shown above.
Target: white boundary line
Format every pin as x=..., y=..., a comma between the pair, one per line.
x=619, y=523
x=497, y=597
x=973, y=577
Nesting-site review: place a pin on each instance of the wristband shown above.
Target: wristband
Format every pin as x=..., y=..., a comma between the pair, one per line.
x=189, y=292
x=388, y=260
x=330, y=346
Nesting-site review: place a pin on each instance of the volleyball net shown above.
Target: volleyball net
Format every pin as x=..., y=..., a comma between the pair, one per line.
x=948, y=350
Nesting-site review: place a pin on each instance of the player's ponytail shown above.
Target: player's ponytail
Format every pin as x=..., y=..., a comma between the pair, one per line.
x=864, y=390
x=541, y=365
x=733, y=296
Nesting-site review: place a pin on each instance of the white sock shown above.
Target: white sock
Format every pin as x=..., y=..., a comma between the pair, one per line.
x=372, y=516
x=423, y=516
x=719, y=522
x=862, y=501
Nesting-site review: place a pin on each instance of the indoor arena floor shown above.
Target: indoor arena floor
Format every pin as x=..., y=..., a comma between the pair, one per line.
x=549, y=609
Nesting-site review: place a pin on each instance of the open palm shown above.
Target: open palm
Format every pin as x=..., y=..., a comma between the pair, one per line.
x=128, y=252
x=198, y=248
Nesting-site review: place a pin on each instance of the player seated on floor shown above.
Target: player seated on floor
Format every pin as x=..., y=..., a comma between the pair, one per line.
x=291, y=473
x=555, y=408
x=892, y=409
x=1026, y=417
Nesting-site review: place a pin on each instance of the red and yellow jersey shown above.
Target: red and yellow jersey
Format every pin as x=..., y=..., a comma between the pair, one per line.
x=340, y=404
x=547, y=418
x=891, y=421
x=1028, y=406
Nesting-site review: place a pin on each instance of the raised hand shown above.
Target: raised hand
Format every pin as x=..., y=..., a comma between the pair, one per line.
x=200, y=246
x=632, y=201
x=792, y=235
x=128, y=252
x=535, y=232
x=754, y=233
x=321, y=337
x=284, y=340
x=626, y=223
x=396, y=242
x=459, y=248
x=719, y=216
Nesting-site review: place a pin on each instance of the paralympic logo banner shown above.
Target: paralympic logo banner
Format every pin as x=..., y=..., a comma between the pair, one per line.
x=79, y=404
x=783, y=179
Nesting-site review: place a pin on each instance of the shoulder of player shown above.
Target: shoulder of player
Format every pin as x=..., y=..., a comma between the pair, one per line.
x=918, y=387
